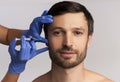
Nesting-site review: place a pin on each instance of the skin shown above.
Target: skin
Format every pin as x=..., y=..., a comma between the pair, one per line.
x=9, y=77
x=69, y=30
x=7, y=34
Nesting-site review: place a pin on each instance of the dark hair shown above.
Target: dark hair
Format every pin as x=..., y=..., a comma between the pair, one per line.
x=64, y=7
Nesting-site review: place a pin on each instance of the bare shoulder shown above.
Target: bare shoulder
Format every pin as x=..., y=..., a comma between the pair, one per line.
x=42, y=78
x=38, y=79
x=106, y=80
x=95, y=77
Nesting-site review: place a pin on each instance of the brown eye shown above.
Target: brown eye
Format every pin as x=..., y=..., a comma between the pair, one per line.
x=57, y=33
x=78, y=33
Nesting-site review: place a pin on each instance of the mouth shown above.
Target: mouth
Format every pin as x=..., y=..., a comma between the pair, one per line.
x=67, y=54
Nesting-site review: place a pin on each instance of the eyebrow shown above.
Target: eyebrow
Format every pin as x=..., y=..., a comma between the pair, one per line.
x=79, y=28
x=54, y=28
x=74, y=28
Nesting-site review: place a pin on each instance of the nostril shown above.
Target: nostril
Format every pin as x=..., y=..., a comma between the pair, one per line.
x=67, y=43
x=66, y=47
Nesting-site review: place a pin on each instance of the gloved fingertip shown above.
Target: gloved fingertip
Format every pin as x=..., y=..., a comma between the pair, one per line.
x=49, y=16
x=13, y=42
x=23, y=36
x=50, y=20
x=33, y=46
x=46, y=41
x=40, y=39
x=30, y=36
x=42, y=50
x=45, y=12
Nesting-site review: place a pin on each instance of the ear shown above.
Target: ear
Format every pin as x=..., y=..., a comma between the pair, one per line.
x=89, y=40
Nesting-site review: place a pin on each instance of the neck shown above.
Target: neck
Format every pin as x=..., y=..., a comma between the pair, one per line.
x=75, y=74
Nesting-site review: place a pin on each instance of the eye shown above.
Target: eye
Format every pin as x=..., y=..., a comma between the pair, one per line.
x=57, y=33
x=78, y=33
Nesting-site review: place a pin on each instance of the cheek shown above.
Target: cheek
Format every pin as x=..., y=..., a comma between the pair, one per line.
x=54, y=43
x=80, y=43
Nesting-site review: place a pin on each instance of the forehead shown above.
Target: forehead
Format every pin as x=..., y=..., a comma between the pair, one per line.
x=70, y=20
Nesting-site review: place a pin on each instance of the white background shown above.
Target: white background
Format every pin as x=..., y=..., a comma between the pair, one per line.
x=103, y=55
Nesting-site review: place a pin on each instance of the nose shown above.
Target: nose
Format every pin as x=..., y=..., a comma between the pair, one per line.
x=68, y=40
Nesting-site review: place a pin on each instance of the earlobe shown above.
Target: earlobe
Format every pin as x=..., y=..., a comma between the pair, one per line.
x=89, y=40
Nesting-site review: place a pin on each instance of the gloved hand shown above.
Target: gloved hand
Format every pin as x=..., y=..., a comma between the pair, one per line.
x=36, y=27
x=20, y=58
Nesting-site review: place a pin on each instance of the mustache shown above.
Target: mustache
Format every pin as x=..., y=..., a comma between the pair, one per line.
x=67, y=48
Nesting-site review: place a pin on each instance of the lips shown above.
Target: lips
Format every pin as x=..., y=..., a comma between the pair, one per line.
x=67, y=54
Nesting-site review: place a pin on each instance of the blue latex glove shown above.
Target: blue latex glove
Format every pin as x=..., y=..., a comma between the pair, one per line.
x=36, y=27
x=20, y=58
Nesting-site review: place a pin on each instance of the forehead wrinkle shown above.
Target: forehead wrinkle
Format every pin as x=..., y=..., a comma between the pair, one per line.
x=79, y=28
x=73, y=28
x=54, y=28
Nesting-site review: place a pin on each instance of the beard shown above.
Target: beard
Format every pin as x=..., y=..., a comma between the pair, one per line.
x=67, y=63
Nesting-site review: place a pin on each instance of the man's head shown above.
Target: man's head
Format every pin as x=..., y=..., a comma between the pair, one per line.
x=70, y=33
x=64, y=7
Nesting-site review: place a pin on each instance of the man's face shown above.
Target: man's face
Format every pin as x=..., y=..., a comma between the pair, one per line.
x=68, y=39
